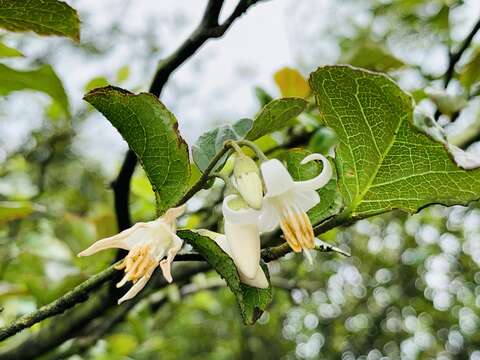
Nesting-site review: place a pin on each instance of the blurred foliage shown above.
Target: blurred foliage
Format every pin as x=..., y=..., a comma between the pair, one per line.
x=411, y=289
x=45, y=17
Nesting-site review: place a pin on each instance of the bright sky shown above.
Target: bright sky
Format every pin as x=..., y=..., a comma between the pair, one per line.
x=216, y=85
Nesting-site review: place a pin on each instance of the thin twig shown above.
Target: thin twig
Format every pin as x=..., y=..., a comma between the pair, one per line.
x=75, y=320
x=71, y=298
x=205, y=176
x=208, y=28
x=105, y=325
x=455, y=57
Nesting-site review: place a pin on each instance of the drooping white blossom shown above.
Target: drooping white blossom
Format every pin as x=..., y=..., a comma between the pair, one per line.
x=286, y=201
x=258, y=280
x=149, y=245
x=242, y=234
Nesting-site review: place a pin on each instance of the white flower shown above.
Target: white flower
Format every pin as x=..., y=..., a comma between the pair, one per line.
x=248, y=181
x=258, y=280
x=148, y=243
x=242, y=234
x=286, y=201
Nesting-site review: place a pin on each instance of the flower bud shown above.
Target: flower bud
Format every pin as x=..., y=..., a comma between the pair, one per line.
x=249, y=183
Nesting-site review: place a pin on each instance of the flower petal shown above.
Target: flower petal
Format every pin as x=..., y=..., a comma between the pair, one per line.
x=465, y=159
x=258, y=281
x=117, y=241
x=269, y=217
x=170, y=217
x=305, y=199
x=276, y=178
x=166, y=264
x=251, y=188
x=241, y=216
x=244, y=243
x=321, y=179
x=136, y=288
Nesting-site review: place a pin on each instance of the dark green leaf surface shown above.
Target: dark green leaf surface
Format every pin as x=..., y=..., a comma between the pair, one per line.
x=7, y=51
x=383, y=162
x=275, y=116
x=210, y=143
x=42, y=79
x=330, y=198
x=151, y=132
x=45, y=17
x=252, y=301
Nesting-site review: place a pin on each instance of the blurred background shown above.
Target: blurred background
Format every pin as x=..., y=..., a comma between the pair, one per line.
x=411, y=290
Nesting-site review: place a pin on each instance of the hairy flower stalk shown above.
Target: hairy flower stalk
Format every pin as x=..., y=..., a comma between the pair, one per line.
x=148, y=243
x=286, y=201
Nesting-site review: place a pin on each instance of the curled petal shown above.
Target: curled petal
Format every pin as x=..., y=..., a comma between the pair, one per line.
x=137, y=287
x=244, y=243
x=321, y=179
x=124, y=280
x=276, y=178
x=170, y=217
x=240, y=216
x=464, y=159
x=166, y=264
x=117, y=241
x=126, y=240
x=258, y=281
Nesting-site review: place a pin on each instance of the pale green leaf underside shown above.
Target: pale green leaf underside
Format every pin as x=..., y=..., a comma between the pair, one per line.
x=383, y=162
x=275, y=116
x=151, y=132
x=211, y=142
x=43, y=79
x=252, y=301
x=45, y=17
x=330, y=198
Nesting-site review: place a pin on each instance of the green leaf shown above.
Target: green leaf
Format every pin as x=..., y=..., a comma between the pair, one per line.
x=45, y=17
x=252, y=301
x=12, y=210
x=383, y=162
x=7, y=51
x=210, y=143
x=263, y=96
x=323, y=140
x=123, y=74
x=372, y=56
x=120, y=345
x=276, y=115
x=96, y=82
x=42, y=79
x=470, y=73
x=151, y=132
x=330, y=198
